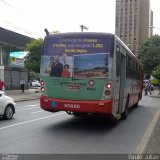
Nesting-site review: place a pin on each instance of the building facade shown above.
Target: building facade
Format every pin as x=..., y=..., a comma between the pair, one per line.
x=12, y=55
x=134, y=19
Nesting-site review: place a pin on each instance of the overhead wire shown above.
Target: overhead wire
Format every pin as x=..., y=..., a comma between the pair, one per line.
x=24, y=13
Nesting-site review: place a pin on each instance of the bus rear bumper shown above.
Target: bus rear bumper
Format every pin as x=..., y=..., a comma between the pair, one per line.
x=54, y=105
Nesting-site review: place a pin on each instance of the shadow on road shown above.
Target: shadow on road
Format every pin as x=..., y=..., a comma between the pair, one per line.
x=91, y=123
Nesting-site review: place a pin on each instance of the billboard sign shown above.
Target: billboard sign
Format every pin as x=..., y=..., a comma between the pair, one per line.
x=17, y=59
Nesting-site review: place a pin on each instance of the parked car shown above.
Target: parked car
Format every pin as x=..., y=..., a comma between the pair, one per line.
x=35, y=83
x=7, y=106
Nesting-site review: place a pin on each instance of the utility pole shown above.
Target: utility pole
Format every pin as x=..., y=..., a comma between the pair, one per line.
x=83, y=27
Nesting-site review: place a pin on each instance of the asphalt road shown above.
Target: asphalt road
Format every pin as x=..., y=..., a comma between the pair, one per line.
x=34, y=131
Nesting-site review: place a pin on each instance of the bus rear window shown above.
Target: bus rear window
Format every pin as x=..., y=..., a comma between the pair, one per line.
x=90, y=65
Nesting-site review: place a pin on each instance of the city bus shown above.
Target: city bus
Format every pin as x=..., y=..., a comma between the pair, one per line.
x=89, y=73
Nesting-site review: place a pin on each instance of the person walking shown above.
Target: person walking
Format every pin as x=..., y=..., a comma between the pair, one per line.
x=2, y=86
x=22, y=83
x=152, y=88
x=147, y=88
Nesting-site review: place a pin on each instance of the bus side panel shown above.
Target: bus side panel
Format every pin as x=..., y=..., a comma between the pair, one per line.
x=52, y=104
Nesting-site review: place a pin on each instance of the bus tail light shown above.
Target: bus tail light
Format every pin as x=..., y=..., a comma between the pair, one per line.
x=108, y=85
x=42, y=83
x=42, y=89
x=107, y=92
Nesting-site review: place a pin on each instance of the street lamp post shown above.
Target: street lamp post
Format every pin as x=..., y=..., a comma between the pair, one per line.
x=153, y=27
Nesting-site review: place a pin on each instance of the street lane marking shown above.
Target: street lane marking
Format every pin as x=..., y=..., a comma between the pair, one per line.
x=23, y=109
x=32, y=105
x=144, y=142
x=21, y=123
x=36, y=112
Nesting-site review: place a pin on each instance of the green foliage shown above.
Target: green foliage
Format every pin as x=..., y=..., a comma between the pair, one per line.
x=154, y=81
x=32, y=60
x=156, y=73
x=149, y=54
x=33, y=75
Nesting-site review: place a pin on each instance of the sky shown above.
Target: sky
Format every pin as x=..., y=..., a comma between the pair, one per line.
x=30, y=17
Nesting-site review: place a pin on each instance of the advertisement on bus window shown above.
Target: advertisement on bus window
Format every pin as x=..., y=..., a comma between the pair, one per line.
x=76, y=57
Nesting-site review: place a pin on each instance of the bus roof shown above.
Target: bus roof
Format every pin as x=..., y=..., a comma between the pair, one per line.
x=81, y=34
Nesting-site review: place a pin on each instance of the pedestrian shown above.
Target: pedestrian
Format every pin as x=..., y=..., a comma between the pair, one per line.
x=152, y=88
x=2, y=86
x=22, y=83
x=147, y=88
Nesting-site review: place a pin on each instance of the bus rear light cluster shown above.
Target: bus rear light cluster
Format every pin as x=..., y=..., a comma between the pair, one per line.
x=42, y=83
x=108, y=85
x=42, y=89
x=107, y=92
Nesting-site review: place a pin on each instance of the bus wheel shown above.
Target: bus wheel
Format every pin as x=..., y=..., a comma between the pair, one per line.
x=125, y=113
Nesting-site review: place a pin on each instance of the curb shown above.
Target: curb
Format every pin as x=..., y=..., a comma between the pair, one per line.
x=155, y=96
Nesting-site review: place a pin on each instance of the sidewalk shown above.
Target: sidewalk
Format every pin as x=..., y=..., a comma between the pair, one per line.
x=155, y=94
x=153, y=146
x=30, y=94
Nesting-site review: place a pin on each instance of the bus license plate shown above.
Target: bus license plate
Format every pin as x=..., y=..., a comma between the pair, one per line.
x=73, y=87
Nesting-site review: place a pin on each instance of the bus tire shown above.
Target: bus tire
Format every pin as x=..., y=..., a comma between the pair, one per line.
x=124, y=115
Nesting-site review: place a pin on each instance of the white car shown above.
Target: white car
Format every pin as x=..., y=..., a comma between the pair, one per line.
x=7, y=106
x=36, y=83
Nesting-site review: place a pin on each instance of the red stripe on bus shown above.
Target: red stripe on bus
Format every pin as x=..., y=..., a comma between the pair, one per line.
x=103, y=106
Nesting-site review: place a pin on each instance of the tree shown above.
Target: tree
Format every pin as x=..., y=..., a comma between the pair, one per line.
x=156, y=73
x=32, y=60
x=149, y=54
